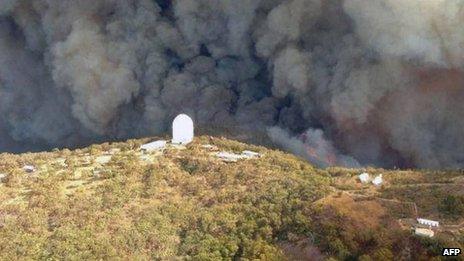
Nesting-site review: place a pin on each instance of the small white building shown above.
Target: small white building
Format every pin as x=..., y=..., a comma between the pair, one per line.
x=424, y=232
x=427, y=222
x=104, y=159
x=229, y=157
x=29, y=168
x=364, y=177
x=3, y=177
x=182, y=129
x=232, y=157
x=250, y=154
x=153, y=146
x=378, y=180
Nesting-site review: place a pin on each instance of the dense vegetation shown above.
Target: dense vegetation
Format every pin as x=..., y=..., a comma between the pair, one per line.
x=453, y=205
x=184, y=203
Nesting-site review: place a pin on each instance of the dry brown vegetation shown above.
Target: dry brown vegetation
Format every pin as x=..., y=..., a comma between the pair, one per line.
x=110, y=201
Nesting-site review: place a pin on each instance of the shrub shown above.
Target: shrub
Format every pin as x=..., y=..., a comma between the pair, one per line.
x=452, y=205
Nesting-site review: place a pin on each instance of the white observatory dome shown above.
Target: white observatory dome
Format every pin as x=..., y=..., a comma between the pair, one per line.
x=182, y=129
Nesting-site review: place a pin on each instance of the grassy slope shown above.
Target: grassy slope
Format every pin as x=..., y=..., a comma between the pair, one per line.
x=188, y=204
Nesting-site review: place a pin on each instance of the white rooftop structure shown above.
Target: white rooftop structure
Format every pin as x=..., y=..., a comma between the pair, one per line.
x=29, y=168
x=424, y=232
x=2, y=176
x=182, y=129
x=364, y=177
x=250, y=154
x=232, y=157
x=378, y=180
x=152, y=146
x=427, y=222
x=103, y=159
x=229, y=157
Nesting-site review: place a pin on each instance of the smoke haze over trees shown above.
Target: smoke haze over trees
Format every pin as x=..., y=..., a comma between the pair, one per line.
x=338, y=82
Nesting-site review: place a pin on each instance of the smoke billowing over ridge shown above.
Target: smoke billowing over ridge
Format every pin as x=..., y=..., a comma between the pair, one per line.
x=338, y=82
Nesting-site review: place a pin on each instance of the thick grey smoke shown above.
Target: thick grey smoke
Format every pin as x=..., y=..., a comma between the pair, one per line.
x=350, y=82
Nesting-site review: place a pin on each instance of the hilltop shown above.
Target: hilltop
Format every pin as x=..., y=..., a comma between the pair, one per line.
x=111, y=201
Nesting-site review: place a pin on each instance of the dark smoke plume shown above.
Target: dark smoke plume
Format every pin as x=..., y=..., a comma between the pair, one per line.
x=350, y=82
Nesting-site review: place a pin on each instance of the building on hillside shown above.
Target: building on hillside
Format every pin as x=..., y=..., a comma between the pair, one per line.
x=427, y=222
x=250, y=154
x=3, y=177
x=424, y=232
x=29, y=168
x=364, y=177
x=378, y=180
x=229, y=157
x=153, y=146
x=232, y=157
x=182, y=129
